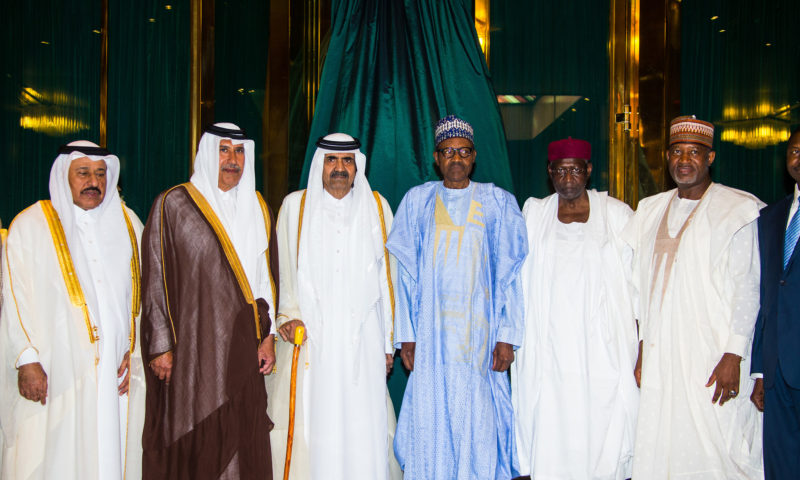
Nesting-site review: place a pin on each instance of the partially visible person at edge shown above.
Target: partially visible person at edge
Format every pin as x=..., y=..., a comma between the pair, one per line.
x=208, y=262
x=776, y=343
x=336, y=281
x=696, y=277
x=459, y=245
x=70, y=373
x=573, y=372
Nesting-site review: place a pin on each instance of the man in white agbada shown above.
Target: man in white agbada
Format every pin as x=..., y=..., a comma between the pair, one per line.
x=335, y=280
x=696, y=274
x=71, y=300
x=574, y=395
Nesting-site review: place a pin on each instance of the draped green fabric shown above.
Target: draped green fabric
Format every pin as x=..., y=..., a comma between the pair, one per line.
x=729, y=72
x=50, y=92
x=148, y=97
x=553, y=48
x=392, y=70
x=241, y=35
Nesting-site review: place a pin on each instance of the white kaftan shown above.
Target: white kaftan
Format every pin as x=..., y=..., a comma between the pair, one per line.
x=697, y=300
x=344, y=421
x=81, y=431
x=574, y=394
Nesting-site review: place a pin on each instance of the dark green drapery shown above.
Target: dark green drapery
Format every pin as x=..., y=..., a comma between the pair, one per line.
x=727, y=67
x=392, y=70
x=50, y=92
x=240, y=66
x=554, y=48
x=148, y=97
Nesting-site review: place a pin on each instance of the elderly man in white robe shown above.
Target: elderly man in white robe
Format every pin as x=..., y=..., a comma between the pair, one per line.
x=574, y=395
x=335, y=280
x=71, y=301
x=696, y=275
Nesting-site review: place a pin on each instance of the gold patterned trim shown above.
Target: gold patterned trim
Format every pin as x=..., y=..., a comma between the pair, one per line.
x=74, y=289
x=136, y=278
x=386, y=259
x=227, y=247
x=300, y=224
x=164, y=265
x=385, y=251
x=268, y=226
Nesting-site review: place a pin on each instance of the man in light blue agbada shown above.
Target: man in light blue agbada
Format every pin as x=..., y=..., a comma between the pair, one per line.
x=459, y=246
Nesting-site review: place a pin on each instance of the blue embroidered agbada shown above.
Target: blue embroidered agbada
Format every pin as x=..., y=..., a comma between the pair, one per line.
x=459, y=253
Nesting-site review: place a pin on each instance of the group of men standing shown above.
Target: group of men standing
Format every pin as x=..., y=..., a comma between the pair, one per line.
x=581, y=298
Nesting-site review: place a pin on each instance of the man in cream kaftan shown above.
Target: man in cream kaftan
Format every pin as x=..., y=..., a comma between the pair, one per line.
x=71, y=296
x=335, y=281
x=573, y=390
x=459, y=247
x=696, y=272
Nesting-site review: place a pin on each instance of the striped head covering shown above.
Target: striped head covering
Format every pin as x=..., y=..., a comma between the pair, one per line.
x=688, y=129
x=452, y=127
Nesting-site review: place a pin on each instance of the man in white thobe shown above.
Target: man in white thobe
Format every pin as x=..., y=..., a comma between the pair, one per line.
x=335, y=280
x=574, y=395
x=696, y=274
x=71, y=290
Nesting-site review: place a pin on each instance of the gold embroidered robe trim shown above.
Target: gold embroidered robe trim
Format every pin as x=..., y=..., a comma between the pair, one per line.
x=227, y=247
x=71, y=281
x=268, y=225
x=385, y=251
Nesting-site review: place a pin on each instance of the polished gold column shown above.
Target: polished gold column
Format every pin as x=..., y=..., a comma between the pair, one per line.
x=201, y=71
x=103, y=134
x=482, y=25
x=196, y=19
x=312, y=62
x=659, y=89
x=623, y=179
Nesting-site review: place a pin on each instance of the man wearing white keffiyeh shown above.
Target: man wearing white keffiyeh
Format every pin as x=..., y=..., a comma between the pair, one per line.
x=336, y=281
x=208, y=297
x=71, y=290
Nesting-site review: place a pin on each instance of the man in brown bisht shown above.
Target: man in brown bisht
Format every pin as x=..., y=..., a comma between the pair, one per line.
x=209, y=256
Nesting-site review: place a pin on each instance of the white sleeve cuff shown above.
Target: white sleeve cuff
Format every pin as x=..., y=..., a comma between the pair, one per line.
x=757, y=375
x=29, y=355
x=737, y=344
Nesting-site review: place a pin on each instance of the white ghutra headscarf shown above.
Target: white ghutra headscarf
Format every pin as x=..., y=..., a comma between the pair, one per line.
x=246, y=229
x=111, y=229
x=365, y=237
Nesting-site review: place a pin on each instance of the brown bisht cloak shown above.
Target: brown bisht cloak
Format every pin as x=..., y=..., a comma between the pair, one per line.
x=211, y=421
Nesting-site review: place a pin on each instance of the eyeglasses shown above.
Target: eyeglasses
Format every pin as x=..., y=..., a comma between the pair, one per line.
x=449, y=152
x=563, y=171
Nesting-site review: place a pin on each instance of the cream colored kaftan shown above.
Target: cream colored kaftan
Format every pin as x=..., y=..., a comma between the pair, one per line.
x=62, y=438
x=574, y=394
x=698, y=300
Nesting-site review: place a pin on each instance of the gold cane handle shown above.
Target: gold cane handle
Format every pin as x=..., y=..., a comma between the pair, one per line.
x=298, y=341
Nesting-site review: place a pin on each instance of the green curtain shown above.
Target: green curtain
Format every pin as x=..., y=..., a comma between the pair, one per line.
x=553, y=48
x=50, y=92
x=241, y=36
x=392, y=70
x=729, y=72
x=148, y=97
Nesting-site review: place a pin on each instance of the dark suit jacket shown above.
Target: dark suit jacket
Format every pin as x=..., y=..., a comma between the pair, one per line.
x=777, y=332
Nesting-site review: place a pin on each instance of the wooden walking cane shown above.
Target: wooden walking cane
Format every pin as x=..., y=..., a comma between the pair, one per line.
x=298, y=341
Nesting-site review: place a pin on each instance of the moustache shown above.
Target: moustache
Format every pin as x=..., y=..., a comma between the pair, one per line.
x=341, y=173
x=91, y=189
x=231, y=167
